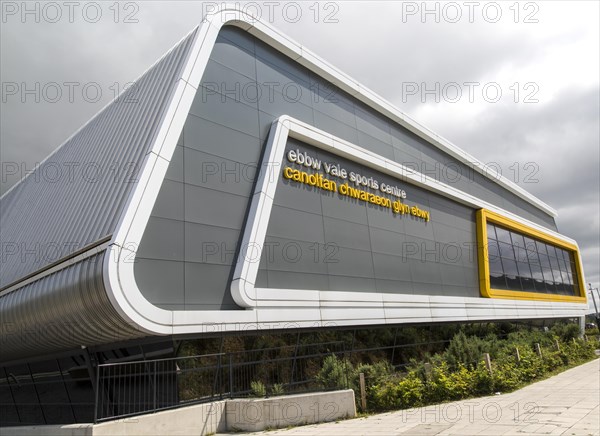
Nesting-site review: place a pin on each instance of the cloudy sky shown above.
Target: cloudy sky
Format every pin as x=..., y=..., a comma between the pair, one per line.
x=515, y=85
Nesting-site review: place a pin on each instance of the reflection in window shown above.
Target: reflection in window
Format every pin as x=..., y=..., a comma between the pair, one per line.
x=521, y=263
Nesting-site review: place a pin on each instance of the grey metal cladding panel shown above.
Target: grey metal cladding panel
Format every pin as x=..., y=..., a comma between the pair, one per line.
x=389, y=267
x=386, y=221
x=335, y=127
x=420, y=288
x=283, y=79
x=223, y=140
x=388, y=242
x=350, y=262
x=207, y=287
x=352, y=284
x=349, y=209
x=292, y=280
x=377, y=146
x=371, y=123
x=61, y=311
x=444, y=234
x=394, y=286
x=217, y=208
x=295, y=224
x=235, y=50
x=98, y=167
x=169, y=203
x=175, y=169
x=262, y=279
x=287, y=255
x=226, y=111
x=161, y=280
x=278, y=105
x=337, y=231
x=417, y=228
x=224, y=80
x=220, y=174
x=327, y=101
x=166, y=241
x=298, y=196
x=453, y=274
x=210, y=244
x=277, y=68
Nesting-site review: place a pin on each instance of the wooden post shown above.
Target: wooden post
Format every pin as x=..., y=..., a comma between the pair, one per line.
x=517, y=355
x=488, y=362
x=363, y=393
x=538, y=350
x=557, y=345
x=427, y=367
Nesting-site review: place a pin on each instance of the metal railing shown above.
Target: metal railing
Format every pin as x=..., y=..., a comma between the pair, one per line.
x=133, y=388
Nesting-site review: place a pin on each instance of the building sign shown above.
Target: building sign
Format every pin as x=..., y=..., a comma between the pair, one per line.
x=349, y=184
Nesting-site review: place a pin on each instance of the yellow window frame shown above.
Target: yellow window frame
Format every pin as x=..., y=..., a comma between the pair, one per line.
x=483, y=217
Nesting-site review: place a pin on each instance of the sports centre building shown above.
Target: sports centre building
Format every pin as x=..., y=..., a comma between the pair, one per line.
x=245, y=184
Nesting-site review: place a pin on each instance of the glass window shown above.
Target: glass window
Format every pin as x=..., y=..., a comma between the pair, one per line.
x=524, y=270
x=491, y=231
x=521, y=255
x=513, y=283
x=493, y=250
x=503, y=235
x=544, y=260
x=563, y=265
x=496, y=266
x=536, y=272
x=574, y=276
x=518, y=262
x=530, y=244
x=557, y=276
x=517, y=240
x=510, y=267
x=528, y=284
x=506, y=251
x=553, y=260
x=497, y=281
x=548, y=280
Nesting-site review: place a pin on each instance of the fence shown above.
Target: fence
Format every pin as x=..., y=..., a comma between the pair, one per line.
x=132, y=388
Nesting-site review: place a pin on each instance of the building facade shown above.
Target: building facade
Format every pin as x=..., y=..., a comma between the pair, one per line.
x=249, y=185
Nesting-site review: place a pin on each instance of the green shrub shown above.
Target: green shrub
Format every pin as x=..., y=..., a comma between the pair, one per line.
x=258, y=389
x=460, y=372
x=483, y=382
x=566, y=332
x=411, y=391
x=277, y=389
x=467, y=350
x=398, y=393
x=375, y=374
x=506, y=376
x=336, y=373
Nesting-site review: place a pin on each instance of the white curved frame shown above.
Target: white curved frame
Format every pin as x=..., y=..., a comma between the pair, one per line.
x=280, y=308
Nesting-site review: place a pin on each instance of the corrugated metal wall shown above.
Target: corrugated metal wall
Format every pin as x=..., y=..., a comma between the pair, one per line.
x=74, y=199
x=63, y=310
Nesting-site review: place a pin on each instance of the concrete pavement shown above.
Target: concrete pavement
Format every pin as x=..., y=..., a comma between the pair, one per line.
x=566, y=404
